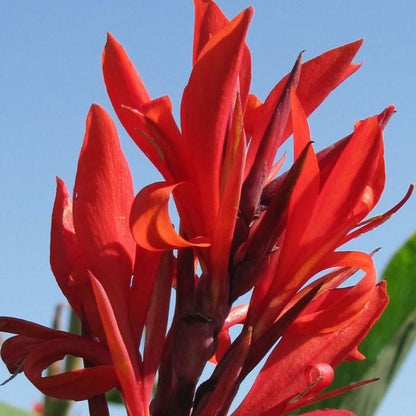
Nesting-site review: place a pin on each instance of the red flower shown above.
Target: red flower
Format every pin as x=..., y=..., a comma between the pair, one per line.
x=247, y=229
x=244, y=228
x=93, y=257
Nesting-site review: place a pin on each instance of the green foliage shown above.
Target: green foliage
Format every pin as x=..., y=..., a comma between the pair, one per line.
x=6, y=410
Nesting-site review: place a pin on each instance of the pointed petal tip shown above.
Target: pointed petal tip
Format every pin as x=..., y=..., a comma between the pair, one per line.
x=110, y=46
x=111, y=40
x=59, y=181
x=96, y=107
x=97, y=114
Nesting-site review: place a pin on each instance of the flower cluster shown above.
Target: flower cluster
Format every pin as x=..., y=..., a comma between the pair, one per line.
x=245, y=229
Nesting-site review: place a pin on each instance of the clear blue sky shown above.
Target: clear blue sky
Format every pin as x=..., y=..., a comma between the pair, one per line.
x=50, y=74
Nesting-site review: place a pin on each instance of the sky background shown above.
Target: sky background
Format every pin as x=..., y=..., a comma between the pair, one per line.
x=50, y=74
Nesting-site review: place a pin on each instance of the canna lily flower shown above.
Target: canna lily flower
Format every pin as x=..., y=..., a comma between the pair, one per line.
x=247, y=231
x=93, y=259
x=248, y=228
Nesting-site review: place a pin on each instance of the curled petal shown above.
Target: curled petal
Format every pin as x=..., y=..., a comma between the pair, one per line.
x=372, y=223
x=31, y=329
x=336, y=308
x=318, y=376
x=150, y=223
x=15, y=350
x=283, y=377
x=75, y=385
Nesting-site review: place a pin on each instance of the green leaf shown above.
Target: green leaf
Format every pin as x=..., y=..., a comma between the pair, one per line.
x=387, y=344
x=114, y=396
x=6, y=410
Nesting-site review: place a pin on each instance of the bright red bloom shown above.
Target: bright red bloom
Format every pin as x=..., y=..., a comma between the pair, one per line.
x=243, y=228
x=93, y=257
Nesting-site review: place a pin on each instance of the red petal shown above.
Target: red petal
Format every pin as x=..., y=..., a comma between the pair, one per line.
x=64, y=249
x=121, y=78
x=236, y=316
x=31, y=329
x=332, y=213
x=271, y=120
x=150, y=223
x=14, y=351
x=322, y=75
x=209, y=19
x=282, y=377
x=206, y=105
x=103, y=195
x=75, y=385
x=125, y=362
x=150, y=124
x=156, y=323
x=379, y=219
x=306, y=190
x=335, y=308
x=147, y=267
x=218, y=401
x=346, y=183
x=231, y=181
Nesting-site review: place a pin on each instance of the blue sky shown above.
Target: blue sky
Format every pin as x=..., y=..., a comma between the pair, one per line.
x=50, y=74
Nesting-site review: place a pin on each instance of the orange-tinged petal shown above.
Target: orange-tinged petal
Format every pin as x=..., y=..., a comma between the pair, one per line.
x=150, y=223
x=250, y=113
x=209, y=19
